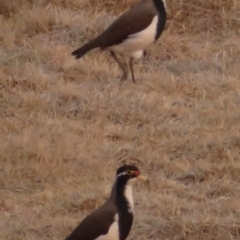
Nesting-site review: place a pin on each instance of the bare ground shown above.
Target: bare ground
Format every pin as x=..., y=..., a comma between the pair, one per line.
x=66, y=125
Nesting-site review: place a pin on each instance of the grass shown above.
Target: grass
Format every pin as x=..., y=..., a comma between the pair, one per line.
x=66, y=125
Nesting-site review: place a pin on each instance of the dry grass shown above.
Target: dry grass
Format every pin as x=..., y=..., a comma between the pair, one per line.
x=67, y=125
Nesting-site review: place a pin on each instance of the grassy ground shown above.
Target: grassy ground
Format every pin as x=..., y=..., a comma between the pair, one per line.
x=66, y=125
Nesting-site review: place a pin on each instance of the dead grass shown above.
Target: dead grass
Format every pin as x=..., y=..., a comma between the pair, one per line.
x=67, y=125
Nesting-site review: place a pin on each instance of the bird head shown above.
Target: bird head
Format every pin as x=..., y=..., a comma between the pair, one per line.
x=130, y=174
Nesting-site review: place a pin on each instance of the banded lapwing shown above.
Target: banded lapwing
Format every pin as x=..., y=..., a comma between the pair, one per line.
x=113, y=219
x=130, y=33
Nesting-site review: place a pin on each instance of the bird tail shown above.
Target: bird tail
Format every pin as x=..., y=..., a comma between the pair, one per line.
x=78, y=53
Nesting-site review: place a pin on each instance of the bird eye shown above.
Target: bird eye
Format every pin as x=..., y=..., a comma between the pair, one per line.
x=129, y=172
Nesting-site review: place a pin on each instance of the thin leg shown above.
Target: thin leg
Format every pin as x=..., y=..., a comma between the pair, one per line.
x=131, y=69
x=144, y=53
x=125, y=73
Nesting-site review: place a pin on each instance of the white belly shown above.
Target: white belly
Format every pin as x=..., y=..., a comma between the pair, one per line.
x=113, y=233
x=136, y=42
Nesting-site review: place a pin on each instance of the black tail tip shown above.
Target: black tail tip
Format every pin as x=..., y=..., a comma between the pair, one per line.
x=76, y=55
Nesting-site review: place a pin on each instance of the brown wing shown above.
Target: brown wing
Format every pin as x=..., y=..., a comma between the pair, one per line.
x=132, y=21
x=95, y=224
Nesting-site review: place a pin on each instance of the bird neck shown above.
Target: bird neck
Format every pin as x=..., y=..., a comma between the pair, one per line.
x=161, y=8
x=122, y=195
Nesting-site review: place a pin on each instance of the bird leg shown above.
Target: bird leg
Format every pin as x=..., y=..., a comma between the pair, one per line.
x=125, y=73
x=131, y=69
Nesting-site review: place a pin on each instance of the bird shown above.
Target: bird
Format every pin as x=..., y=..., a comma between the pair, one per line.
x=131, y=33
x=113, y=219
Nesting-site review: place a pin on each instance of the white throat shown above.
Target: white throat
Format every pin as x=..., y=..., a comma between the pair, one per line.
x=128, y=193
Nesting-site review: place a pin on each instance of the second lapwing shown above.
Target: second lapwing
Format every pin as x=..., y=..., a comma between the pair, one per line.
x=113, y=220
x=131, y=33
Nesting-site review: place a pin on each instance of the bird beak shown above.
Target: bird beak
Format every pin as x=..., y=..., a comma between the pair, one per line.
x=143, y=178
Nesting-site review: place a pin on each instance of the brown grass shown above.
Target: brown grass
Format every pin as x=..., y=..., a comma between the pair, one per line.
x=67, y=125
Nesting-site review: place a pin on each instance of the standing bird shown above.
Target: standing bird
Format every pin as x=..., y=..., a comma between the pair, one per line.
x=130, y=33
x=113, y=220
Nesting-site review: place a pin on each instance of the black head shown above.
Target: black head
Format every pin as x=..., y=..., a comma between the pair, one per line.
x=127, y=169
x=129, y=172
